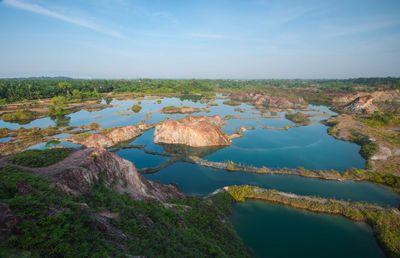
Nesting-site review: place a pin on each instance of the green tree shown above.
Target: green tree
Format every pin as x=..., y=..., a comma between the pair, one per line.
x=58, y=106
x=65, y=86
x=76, y=94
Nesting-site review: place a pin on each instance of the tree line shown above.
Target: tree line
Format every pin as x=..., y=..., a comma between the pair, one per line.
x=36, y=88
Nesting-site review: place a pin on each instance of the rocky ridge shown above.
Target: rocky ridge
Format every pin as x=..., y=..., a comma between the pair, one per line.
x=79, y=172
x=112, y=137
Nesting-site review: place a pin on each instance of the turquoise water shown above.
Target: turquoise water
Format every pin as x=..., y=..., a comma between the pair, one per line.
x=276, y=231
x=310, y=146
x=109, y=117
x=270, y=230
x=307, y=146
x=199, y=180
x=140, y=158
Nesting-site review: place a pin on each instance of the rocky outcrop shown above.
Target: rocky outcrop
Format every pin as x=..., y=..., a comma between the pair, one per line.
x=112, y=137
x=8, y=221
x=362, y=102
x=83, y=168
x=117, y=173
x=265, y=100
x=360, y=105
x=194, y=131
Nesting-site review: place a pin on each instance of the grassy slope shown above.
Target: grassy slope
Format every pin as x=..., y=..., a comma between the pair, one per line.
x=54, y=224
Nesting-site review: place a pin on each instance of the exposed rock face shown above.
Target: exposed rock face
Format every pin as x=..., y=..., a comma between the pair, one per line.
x=200, y=131
x=383, y=153
x=265, y=100
x=117, y=173
x=8, y=221
x=362, y=102
x=82, y=169
x=360, y=105
x=117, y=135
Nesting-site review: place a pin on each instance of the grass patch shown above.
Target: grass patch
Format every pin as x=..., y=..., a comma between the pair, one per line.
x=136, y=108
x=232, y=103
x=40, y=158
x=20, y=116
x=298, y=117
x=380, y=118
x=169, y=108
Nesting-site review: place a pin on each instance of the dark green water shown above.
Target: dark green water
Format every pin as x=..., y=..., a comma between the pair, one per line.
x=276, y=231
x=195, y=179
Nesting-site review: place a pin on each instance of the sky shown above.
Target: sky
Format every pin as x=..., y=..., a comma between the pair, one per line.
x=225, y=39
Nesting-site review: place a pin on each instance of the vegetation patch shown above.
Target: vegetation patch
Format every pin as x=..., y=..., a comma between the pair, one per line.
x=298, y=117
x=53, y=224
x=19, y=116
x=136, y=108
x=232, y=103
x=181, y=110
x=368, y=147
x=380, y=118
x=40, y=158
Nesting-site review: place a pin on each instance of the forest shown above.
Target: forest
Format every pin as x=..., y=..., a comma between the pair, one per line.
x=12, y=90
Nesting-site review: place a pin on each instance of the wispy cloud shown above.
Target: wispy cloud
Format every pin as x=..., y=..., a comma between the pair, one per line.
x=73, y=20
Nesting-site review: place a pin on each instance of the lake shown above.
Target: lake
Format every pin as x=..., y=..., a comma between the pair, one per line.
x=269, y=230
x=272, y=230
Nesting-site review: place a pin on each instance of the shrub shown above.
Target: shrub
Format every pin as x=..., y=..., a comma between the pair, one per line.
x=40, y=158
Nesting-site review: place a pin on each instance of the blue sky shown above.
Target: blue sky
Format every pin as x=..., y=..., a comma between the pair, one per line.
x=200, y=39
